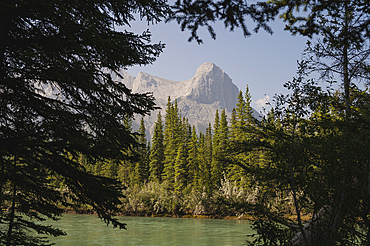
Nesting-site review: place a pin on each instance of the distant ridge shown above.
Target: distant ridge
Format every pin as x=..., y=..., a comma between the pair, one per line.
x=198, y=98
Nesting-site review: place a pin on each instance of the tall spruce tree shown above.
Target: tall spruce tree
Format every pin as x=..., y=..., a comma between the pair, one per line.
x=126, y=169
x=192, y=161
x=233, y=126
x=58, y=98
x=223, y=142
x=204, y=174
x=186, y=135
x=141, y=167
x=157, y=151
x=216, y=170
x=180, y=174
x=241, y=117
x=207, y=158
x=172, y=133
x=239, y=123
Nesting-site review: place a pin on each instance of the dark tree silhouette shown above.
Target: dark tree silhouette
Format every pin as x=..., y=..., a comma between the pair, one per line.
x=58, y=101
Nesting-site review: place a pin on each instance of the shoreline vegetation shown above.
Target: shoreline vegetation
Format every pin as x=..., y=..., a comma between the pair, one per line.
x=154, y=199
x=247, y=216
x=231, y=217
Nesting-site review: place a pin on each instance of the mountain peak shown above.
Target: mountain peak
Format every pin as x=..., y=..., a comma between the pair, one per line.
x=207, y=67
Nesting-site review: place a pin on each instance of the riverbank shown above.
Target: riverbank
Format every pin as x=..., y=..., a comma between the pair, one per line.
x=230, y=217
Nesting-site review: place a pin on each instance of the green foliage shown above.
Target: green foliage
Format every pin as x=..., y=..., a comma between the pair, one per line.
x=59, y=102
x=141, y=167
x=155, y=198
x=199, y=13
x=204, y=175
x=192, y=161
x=150, y=199
x=170, y=141
x=242, y=124
x=216, y=171
x=157, y=151
x=315, y=165
x=180, y=169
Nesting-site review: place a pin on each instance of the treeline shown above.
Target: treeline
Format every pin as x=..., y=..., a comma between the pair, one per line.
x=182, y=163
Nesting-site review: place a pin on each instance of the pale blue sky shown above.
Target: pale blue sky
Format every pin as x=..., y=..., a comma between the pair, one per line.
x=262, y=61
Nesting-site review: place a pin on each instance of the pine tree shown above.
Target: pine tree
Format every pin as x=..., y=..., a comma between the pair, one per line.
x=157, y=151
x=192, y=161
x=224, y=135
x=186, y=139
x=220, y=143
x=235, y=136
x=186, y=129
x=241, y=124
x=248, y=107
x=171, y=140
x=215, y=165
x=180, y=169
x=126, y=169
x=205, y=159
x=204, y=175
x=233, y=126
x=241, y=117
x=147, y=160
x=208, y=142
x=141, y=167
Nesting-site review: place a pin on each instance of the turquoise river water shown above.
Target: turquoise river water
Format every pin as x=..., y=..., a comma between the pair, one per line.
x=84, y=230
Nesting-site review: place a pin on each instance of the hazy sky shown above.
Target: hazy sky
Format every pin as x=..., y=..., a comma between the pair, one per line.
x=262, y=61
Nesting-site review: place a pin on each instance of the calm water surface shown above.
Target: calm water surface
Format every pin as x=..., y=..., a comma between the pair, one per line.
x=144, y=231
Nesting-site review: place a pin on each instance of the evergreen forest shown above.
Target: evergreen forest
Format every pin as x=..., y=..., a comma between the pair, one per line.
x=301, y=173
x=182, y=172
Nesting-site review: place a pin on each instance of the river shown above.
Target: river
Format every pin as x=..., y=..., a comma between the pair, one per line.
x=85, y=229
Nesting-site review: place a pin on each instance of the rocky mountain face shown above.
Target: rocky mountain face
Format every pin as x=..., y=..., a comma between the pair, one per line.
x=198, y=98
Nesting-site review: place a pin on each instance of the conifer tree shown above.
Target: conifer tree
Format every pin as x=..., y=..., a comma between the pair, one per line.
x=233, y=126
x=180, y=169
x=179, y=131
x=221, y=149
x=192, y=161
x=224, y=132
x=171, y=140
x=241, y=124
x=147, y=161
x=206, y=159
x=216, y=170
x=238, y=122
x=186, y=128
x=157, y=151
x=126, y=169
x=141, y=167
x=248, y=106
x=204, y=175
x=208, y=142
x=241, y=116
